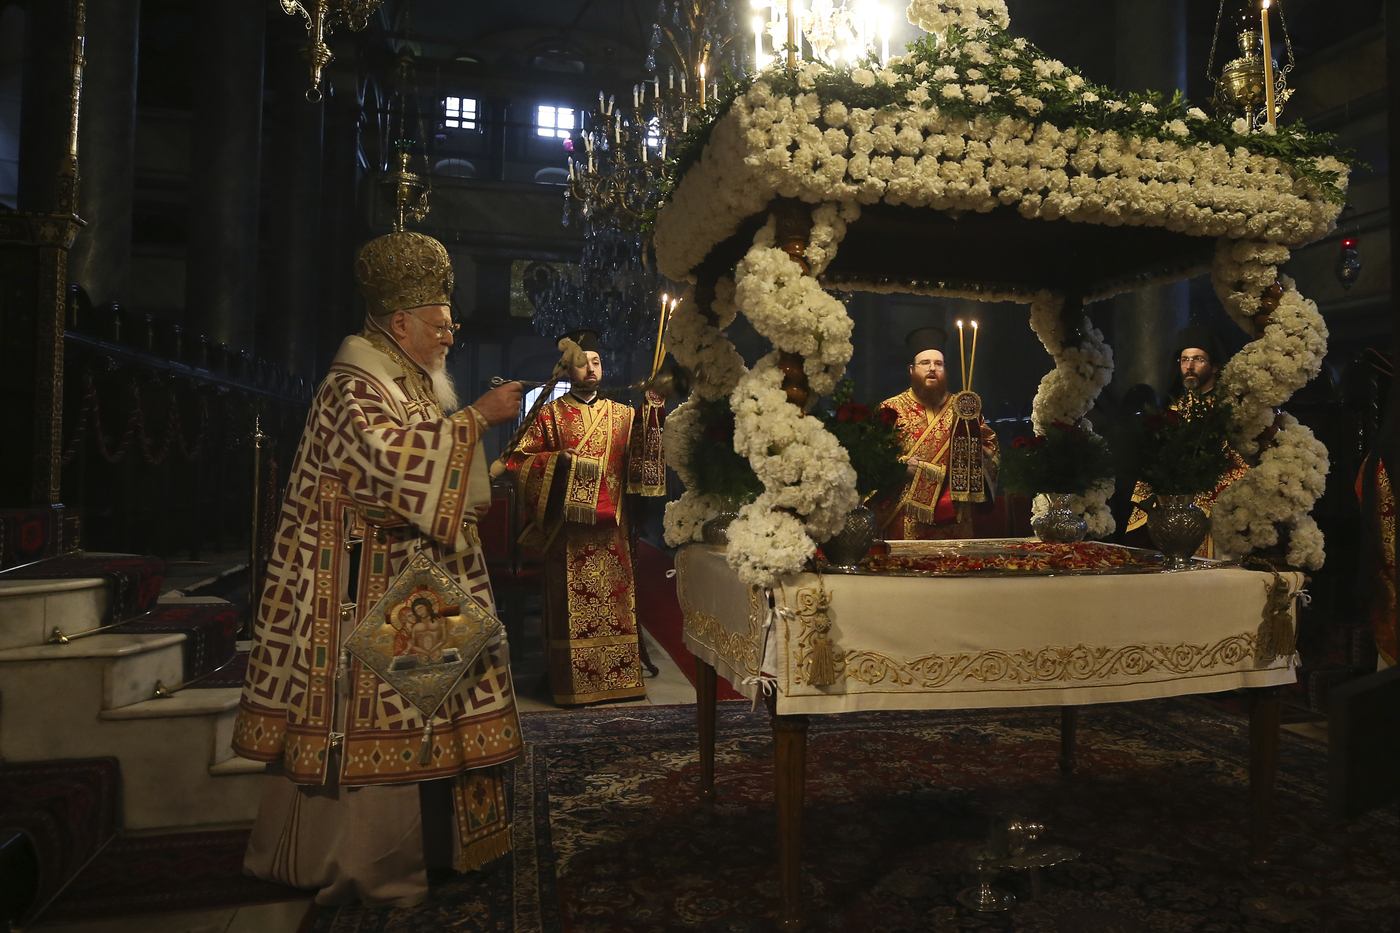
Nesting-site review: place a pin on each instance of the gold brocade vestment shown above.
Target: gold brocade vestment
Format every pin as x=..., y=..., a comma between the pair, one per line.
x=380, y=475
x=925, y=509
x=590, y=620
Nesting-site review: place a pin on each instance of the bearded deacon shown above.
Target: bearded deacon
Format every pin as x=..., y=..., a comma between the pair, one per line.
x=577, y=467
x=355, y=805
x=934, y=503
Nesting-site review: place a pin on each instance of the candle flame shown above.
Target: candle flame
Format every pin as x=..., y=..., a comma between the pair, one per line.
x=1266, y=4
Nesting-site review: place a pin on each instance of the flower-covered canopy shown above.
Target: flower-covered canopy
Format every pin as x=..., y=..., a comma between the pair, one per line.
x=976, y=166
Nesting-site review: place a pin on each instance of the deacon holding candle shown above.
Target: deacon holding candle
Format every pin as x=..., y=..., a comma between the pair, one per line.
x=581, y=471
x=935, y=501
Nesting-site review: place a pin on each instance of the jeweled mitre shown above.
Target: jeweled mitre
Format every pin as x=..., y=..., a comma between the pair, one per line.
x=403, y=270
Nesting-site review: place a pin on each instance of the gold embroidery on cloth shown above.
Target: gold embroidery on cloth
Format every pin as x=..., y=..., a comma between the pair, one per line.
x=743, y=652
x=1050, y=664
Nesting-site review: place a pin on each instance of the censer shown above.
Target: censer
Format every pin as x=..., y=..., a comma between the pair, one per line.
x=1251, y=86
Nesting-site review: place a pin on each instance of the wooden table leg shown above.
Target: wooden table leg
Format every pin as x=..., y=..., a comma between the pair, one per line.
x=790, y=772
x=1265, y=705
x=1069, y=716
x=705, y=689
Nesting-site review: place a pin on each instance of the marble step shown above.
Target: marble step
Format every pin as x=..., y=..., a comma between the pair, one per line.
x=80, y=678
x=178, y=768
x=31, y=609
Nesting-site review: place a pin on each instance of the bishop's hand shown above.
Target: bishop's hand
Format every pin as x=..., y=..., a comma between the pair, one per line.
x=500, y=405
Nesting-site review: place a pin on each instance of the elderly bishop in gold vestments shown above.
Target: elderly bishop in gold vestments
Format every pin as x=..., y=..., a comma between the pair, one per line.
x=930, y=505
x=575, y=468
x=387, y=468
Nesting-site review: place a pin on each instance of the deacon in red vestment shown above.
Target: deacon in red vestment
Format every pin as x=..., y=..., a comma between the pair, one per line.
x=931, y=505
x=575, y=469
x=387, y=468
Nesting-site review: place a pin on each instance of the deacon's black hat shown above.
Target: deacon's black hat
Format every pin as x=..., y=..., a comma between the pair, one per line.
x=925, y=338
x=585, y=338
x=1203, y=337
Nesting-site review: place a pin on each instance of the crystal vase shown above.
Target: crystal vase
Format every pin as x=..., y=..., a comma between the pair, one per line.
x=716, y=530
x=1177, y=526
x=846, y=548
x=1059, y=524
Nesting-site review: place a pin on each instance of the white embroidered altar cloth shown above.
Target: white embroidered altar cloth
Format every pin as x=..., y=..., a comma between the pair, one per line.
x=982, y=641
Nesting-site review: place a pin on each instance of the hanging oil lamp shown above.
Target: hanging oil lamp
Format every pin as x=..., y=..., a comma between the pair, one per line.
x=1251, y=85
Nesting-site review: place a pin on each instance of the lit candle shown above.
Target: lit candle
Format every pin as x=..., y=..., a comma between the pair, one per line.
x=656, y=90
x=611, y=102
x=702, y=84
x=660, y=332
x=962, y=356
x=972, y=365
x=636, y=94
x=663, y=148
x=601, y=103
x=1268, y=63
x=682, y=83
x=885, y=40
x=671, y=81
x=757, y=43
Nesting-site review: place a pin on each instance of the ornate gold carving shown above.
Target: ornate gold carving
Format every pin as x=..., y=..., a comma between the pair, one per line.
x=403, y=270
x=1050, y=664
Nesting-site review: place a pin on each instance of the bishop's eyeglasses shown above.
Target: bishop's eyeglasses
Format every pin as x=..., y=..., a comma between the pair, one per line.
x=1188, y=360
x=442, y=330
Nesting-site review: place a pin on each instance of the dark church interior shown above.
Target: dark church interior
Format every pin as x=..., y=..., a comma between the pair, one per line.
x=184, y=190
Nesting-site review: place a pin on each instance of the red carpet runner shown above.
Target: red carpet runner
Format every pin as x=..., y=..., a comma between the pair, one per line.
x=660, y=612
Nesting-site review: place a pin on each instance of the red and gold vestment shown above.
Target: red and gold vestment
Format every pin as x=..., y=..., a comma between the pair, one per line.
x=590, y=619
x=925, y=508
x=380, y=475
x=1382, y=528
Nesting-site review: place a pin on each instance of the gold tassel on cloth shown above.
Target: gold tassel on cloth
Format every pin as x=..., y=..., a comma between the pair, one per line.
x=425, y=750
x=585, y=483
x=483, y=829
x=812, y=608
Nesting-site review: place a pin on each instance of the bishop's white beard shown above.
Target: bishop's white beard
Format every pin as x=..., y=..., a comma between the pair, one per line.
x=444, y=387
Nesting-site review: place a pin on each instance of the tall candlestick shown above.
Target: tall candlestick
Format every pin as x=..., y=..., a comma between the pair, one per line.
x=792, y=34
x=1268, y=64
x=962, y=357
x=757, y=44
x=972, y=364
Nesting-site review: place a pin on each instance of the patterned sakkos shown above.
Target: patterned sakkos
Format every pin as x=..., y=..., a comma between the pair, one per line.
x=379, y=473
x=590, y=601
x=926, y=510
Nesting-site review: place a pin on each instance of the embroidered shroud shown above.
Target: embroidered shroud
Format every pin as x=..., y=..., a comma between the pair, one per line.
x=929, y=508
x=573, y=510
x=380, y=475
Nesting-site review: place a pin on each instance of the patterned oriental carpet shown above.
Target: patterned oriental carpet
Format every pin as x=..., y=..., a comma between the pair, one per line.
x=610, y=838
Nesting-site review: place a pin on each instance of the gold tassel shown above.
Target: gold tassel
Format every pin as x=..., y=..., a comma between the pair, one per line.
x=476, y=854
x=425, y=750
x=823, y=659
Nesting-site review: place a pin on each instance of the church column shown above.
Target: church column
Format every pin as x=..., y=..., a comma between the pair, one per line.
x=222, y=260
x=100, y=260
x=34, y=246
x=1151, y=55
x=286, y=331
x=341, y=224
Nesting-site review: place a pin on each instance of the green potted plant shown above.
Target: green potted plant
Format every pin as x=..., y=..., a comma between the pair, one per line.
x=869, y=436
x=1180, y=453
x=1060, y=463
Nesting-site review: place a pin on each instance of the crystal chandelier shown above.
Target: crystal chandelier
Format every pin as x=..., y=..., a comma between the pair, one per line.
x=615, y=178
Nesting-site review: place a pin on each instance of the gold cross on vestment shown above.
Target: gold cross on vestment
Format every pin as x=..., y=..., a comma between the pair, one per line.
x=420, y=406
